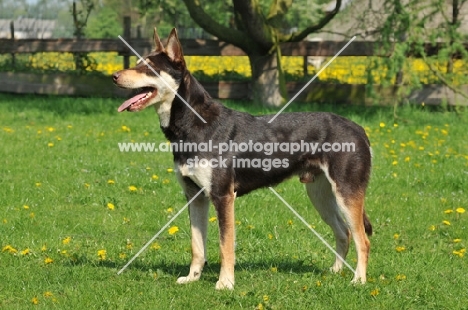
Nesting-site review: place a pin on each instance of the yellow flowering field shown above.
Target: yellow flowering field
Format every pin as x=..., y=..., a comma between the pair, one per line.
x=74, y=210
x=347, y=70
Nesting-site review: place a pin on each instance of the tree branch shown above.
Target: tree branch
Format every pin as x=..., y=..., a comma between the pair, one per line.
x=254, y=22
x=205, y=21
x=301, y=35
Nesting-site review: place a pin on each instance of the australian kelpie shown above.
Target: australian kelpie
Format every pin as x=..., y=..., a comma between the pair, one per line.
x=256, y=153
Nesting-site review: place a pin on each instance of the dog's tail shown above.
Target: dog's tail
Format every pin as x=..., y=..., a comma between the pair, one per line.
x=367, y=225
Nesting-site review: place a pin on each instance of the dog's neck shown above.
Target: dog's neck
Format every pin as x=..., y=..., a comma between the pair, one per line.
x=183, y=122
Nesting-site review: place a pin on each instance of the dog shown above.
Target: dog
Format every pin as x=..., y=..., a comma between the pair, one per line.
x=335, y=181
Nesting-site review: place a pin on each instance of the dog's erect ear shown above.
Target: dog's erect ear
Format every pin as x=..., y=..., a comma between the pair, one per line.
x=173, y=47
x=158, y=47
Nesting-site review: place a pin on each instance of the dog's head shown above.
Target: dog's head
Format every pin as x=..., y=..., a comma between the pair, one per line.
x=156, y=77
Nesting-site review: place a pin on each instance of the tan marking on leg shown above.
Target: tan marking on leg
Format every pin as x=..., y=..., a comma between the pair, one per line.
x=226, y=223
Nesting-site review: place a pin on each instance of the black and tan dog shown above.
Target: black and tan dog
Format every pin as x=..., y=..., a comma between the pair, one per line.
x=336, y=181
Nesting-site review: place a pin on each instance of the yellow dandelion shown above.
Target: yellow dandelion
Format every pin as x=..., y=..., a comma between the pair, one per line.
x=382, y=124
x=102, y=254
x=446, y=223
x=274, y=269
x=86, y=185
x=48, y=294
x=129, y=245
x=396, y=236
x=459, y=253
x=110, y=206
x=122, y=255
x=69, y=126
x=212, y=219
x=173, y=230
x=26, y=251
x=38, y=184
x=169, y=210
x=132, y=188
x=400, y=277
x=407, y=159
x=66, y=240
x=400, y=249
x=126, y=220
x=318, y=283
x=50, y=144
x=170, y=170
x=32, y=215
x=270, y=236
x=457, y=240
x=125, y=128
x=444, y=132
x=154, y=177
x=35, y=301
x=395, y=125
x=448, y=211
x=155, y=246
x=238, y=222
x=26, y=207
x=375, y=292
x=432, y=227
x=266, y=298
x=165, y=181
x=110, y=182
x=44, y=248
x=50, y=129
x=250, y=227
x=460, y=210
x=5, y=221
x=48, y=260
x=290, y=222
x=9, y=249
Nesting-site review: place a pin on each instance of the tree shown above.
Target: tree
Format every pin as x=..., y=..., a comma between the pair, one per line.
x=259, y=35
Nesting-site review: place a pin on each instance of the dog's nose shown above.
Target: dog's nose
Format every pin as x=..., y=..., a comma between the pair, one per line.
x=115, y=76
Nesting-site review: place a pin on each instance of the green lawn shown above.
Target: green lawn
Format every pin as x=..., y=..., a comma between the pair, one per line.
x=69, y=221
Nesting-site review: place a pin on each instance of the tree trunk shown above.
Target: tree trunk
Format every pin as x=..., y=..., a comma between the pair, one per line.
x=267, y=85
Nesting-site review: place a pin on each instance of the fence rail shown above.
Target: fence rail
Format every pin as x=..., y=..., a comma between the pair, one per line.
x=196, y=47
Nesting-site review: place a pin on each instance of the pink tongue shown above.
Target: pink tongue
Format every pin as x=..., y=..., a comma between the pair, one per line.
x=130, y=101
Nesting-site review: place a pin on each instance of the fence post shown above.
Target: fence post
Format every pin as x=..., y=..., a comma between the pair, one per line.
x=304, y=65
x=127, y=24
x=12, y=34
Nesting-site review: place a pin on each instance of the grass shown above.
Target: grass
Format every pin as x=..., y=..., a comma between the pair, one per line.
x=62, y=243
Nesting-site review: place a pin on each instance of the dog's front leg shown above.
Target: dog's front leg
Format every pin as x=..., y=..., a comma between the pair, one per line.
x=225, y=209
x=198, y=210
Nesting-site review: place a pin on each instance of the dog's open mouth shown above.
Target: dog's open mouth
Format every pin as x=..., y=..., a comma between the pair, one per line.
x=139, y=101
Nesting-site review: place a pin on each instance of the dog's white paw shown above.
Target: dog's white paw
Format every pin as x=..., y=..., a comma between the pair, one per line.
x=187, y=279
x=224, y=284
x=358, y=280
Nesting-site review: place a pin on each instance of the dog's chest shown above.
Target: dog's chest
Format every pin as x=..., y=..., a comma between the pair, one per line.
x=199, y=174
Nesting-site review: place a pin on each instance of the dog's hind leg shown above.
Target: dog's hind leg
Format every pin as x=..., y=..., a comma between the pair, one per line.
x=198, y=211
x=352, y=207
x=322, y=197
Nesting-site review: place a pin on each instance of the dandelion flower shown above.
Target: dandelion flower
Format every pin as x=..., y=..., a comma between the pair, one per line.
x=400, y=277
x=375, y=292
x=270, y=236
x=448, y=211
x=400, y=249
x=446, y=223
x=432, y=228
x=102, y=254
x=460, y=210
x=165, y=181
x=9, y=249
x=290, y=222
x=173, y=230
x=38, y=184
x=48, y=260
x=26, y=207
x=212, y=219
x=459, y=253
x=43, y=248
x=154, y=177
x=125, y=128
x=66, y=240
x=50, y=144
x=26, y=251
x=35, y=301
x=382, y=124
x=457, y=240
x=110, y=206
x=155, y=246
x=48, y=294
x=110, y=182
x=132, y=188
x=396, y=236
x=122, y=255
x=274, y=269
x=407, y=159
x=318, y=283
x=266, y=298
x=170, y=170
